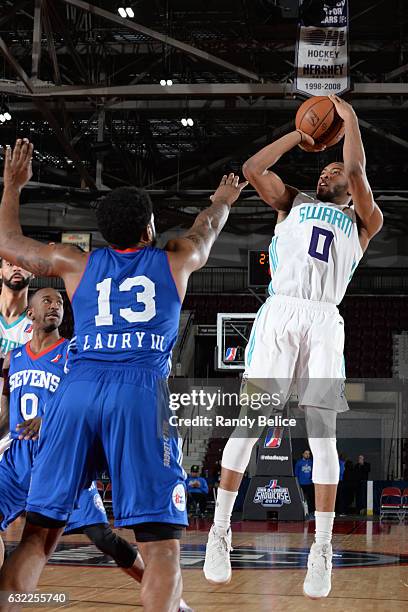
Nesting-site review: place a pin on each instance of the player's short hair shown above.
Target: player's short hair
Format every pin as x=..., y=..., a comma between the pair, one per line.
x=123, y=215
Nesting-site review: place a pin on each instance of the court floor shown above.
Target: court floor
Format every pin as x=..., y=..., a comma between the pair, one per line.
x=370, y=575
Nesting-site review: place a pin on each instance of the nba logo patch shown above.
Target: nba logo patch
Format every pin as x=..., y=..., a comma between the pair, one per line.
x=28, y=328
x=230, y=354
x=56, y=359
x=179, y=497
x=273, y=438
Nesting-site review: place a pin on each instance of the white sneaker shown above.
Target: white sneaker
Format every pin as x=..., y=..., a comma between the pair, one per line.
x=217, y=564
x=317, y=583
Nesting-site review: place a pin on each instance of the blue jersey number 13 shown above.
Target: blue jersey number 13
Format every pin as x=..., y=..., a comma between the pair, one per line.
x=145, y=297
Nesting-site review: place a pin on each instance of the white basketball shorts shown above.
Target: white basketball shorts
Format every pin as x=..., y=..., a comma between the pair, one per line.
x=297, y=341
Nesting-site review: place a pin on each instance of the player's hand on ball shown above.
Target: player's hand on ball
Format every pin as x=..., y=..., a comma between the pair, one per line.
x=229, y=189
x=343, y=108
x=308, y=143
x=30, y=429
x=17, y=164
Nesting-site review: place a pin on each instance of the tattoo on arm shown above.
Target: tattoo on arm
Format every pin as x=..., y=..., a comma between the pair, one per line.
x=30, y=258
x=208, y=224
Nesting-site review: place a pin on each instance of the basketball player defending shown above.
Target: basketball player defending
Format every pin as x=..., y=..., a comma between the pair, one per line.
x=298, y=333
x=34, y=373
x=126, y=300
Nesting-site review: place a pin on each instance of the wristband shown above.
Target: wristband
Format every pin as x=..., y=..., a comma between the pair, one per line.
x=301, y=136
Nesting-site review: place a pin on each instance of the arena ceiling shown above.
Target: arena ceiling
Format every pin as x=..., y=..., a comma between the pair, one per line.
x=84, y=85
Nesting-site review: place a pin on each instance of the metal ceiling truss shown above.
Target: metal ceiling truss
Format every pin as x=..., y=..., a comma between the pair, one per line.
x=167, y=40
x=101, y=101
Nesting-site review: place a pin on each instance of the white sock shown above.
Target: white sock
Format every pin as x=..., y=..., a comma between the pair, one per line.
x=223, y=508
x=324, y=527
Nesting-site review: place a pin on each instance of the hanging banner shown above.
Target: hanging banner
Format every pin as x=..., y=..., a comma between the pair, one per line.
x=322, y=58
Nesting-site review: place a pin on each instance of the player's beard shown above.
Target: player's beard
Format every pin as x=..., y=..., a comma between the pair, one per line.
x=51, y=327
x=329, y=195
x=16, y=285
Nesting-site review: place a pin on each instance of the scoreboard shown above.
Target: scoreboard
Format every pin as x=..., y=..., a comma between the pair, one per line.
x=259, y=274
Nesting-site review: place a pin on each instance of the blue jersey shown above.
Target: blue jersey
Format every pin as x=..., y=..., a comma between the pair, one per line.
x=303, y=471
x=33, y=380
x=126, y=309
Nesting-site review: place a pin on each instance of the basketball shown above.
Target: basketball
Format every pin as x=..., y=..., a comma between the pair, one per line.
x=317, y=117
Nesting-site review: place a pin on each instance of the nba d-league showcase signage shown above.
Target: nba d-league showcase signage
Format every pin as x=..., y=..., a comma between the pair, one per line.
x=274, y=492
x=322, y=58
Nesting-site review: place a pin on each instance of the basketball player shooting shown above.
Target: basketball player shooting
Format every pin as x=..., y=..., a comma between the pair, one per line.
x=126, y=301
x=298, y=333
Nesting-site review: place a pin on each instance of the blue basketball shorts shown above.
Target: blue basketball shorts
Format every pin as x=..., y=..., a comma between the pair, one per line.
x=15, y=475
x=126, y=410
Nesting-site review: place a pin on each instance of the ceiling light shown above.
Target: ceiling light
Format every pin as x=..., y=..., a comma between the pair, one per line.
x=169, y=82
x=122, y=12
x=2, y=118
x=163, y=82
x=190, y=122
x=184, y=122
x=130, y=12
x=7, y=116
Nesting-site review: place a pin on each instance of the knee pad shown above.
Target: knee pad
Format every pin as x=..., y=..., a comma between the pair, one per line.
x=326, y=467
x=44, y=521
x=321, y=431
x=104, y=538
x=237, y=453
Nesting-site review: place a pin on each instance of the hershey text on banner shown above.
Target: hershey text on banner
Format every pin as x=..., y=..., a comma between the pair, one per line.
x=322, y=59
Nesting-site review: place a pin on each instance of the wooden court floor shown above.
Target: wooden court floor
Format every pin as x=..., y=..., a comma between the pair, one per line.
x=371, y=573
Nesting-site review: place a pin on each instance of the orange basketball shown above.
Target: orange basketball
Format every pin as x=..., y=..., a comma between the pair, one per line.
x=317, y=117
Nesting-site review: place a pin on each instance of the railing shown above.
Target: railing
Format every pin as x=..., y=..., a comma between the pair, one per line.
x=366, y=280
x=230, y=280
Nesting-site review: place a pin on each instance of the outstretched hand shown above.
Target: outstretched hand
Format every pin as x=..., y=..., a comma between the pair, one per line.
x=229, y=189
x=18, y=164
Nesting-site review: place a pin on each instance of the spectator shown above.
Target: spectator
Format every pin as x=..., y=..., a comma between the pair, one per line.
x=303, y=472
x=341, y=489
x=361, y=472
x=342, y=464
x=197, y=490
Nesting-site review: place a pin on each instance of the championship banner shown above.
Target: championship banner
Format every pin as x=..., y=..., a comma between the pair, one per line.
x=322, y=58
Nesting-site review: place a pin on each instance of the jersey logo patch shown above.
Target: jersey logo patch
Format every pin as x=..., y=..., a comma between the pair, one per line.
x=98, y=503
x=56, y=359
x=28, y=328
x=179, y=497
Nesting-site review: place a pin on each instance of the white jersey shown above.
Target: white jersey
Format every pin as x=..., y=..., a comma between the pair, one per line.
x=314, y=251
x=14, y=334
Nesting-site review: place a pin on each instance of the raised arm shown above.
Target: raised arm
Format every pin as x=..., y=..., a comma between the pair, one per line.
x=368, y=212
x=269, y=185
x=191, y=251
x=43, y=260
